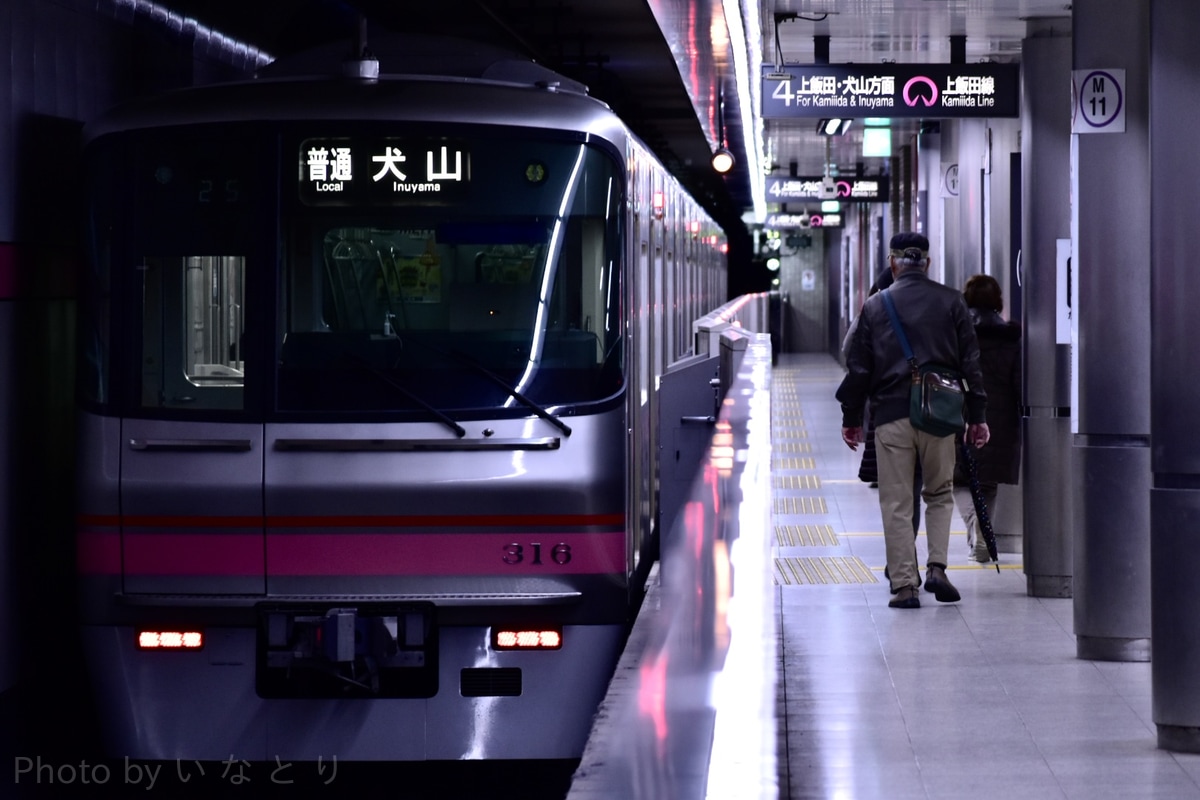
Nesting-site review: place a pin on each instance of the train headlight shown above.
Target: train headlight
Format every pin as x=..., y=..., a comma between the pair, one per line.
x=527, y=639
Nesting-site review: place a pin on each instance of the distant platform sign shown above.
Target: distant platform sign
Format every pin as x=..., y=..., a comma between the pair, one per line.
x=930, y=91
x=781, y=189
x=785, y=222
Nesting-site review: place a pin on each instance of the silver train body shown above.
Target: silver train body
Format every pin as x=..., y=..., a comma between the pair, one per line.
x=368, y=410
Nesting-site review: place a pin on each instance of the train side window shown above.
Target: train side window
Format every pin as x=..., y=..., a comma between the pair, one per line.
x=193, y=320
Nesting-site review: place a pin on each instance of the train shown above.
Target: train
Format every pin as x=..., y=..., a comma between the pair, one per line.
x=368, y=435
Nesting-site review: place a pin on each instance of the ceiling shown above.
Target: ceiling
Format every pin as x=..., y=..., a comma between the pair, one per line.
x=670, y=67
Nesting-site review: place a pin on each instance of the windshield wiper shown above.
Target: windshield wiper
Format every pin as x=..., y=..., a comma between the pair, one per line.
x=503, y=384
x=440, y=415
x=463, y=358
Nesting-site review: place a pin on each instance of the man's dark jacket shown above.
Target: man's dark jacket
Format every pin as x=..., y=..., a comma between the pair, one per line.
x=939, y=330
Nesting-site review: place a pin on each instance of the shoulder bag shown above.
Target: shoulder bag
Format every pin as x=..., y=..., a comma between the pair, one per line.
x=937, y=396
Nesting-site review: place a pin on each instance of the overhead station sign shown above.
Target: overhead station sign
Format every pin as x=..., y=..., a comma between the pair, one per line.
x=785, y=189
x=382, y=171
x=929, y=91
x=783, y=222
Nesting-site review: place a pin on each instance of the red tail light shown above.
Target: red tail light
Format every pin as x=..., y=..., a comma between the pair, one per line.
x=527, y=639
x=170, y=640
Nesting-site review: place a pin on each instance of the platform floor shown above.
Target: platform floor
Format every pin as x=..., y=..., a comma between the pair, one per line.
x=983, y=698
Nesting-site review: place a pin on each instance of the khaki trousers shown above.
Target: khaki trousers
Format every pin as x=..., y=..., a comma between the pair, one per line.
x=898, y=446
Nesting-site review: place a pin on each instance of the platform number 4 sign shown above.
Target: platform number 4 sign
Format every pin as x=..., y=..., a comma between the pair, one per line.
x=1098, y=97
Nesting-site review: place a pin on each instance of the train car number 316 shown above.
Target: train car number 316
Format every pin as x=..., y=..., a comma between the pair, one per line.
x=516, y=553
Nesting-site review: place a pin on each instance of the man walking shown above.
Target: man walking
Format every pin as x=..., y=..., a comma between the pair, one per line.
x=939, y=329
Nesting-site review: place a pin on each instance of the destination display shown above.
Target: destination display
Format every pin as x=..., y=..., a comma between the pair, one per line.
x=782, y=189
x=382, y=171
x=929, y=91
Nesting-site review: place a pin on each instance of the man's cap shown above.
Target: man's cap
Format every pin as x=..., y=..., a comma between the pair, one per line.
x=910, y=246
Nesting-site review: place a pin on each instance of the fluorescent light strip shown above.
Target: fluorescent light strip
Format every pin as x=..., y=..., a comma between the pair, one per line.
x=749, y=101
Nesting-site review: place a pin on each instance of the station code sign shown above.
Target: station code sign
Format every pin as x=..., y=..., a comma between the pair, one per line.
x=783, y=189
x=930, y=91
x=382, y=171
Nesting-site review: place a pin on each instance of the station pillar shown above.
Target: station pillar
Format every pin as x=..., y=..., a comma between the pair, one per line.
x=1045, y=225
x=1111, y=279
x=1174, y=367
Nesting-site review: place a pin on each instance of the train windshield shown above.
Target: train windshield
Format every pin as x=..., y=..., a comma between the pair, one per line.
x=240, y=269
x=469, y=273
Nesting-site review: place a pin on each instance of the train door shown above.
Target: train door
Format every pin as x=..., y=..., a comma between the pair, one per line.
x=191, y=488
x=191, y=445
x=656, y=333
x=641, y=361
x=671, y=269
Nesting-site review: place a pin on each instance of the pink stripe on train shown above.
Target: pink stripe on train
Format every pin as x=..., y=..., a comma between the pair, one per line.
x=538, y=553
x=337, y=553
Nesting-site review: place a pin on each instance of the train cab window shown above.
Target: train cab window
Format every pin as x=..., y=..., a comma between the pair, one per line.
x=179, y=221
x=193, y=320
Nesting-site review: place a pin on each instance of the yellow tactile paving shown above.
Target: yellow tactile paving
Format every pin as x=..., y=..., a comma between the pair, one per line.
x=801, y=505
x=806, y=535
x=796, y=482
x=794, y=463
x=822, y=571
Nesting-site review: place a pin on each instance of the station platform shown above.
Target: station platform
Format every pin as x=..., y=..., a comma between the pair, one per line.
x=983, y=698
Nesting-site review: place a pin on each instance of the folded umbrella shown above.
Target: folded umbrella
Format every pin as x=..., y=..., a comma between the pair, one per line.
x=981, y=511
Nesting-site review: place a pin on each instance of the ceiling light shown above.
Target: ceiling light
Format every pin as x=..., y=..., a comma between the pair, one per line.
x=877, y=142
x=741, y=18
x=722, y=160
x=833, y=127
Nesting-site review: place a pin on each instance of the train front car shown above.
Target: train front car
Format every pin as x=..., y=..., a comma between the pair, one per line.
x=356, y=436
